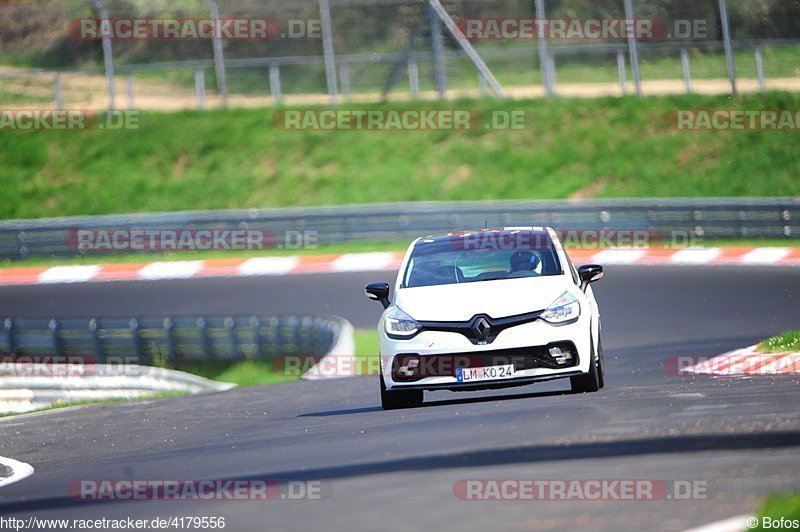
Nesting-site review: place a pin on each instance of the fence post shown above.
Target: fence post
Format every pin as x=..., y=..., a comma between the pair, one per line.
x=633, y=50
x=200, y=88
x=59, y=95
x=108, y=55
x=344, y=77
x=327, y=48
x=687, y=72
x=621, y=70
x=129, y=91
x=437, y=47
x=726, y=41
x=413, y=78
x=760, y=68
x=544, y=53
x=219, y=59
x=275, y=82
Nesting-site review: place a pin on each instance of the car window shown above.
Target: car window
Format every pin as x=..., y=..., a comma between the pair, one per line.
x=445, y=262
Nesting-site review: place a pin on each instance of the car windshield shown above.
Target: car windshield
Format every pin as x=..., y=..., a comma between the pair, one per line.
x=481, y=256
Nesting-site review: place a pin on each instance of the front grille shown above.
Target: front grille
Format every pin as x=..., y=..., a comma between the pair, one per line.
x=404, y=369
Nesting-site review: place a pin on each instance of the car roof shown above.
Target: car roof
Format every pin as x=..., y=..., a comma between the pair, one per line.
x=502, y=231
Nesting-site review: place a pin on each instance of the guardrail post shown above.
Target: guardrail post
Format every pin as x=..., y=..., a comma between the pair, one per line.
x=55, y=335
x=202, y=325
x=8, y=330
x=136, y=339
x=169, y=333
x=258, y=341
x=230, y=326
x=96, y=341
x=275, y=337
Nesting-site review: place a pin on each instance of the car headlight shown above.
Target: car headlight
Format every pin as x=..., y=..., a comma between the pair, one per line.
x=564, y=308
x=398, y=323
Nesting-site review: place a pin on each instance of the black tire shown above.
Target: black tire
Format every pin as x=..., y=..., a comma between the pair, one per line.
x=396, y=399
x=601, y=364
x=588, y=382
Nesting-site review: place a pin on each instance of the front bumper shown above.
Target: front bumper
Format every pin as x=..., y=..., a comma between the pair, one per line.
x=525, y=346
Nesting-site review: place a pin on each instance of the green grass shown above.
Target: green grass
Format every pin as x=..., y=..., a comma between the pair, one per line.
x=238, y=159
x=783, y=343
x=244, y=373
x=779, y=506
x=368, y=362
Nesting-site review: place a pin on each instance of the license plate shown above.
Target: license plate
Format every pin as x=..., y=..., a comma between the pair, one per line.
x=489, y=373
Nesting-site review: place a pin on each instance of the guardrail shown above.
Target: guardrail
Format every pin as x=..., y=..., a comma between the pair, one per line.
x=168, y=341
x=690, y=218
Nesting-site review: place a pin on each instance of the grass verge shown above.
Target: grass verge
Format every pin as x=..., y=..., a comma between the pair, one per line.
x=783, y=343
x=780, y=506
x=237, y=158
x=65, y=404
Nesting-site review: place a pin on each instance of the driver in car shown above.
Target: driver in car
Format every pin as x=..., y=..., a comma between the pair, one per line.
x=524, y=263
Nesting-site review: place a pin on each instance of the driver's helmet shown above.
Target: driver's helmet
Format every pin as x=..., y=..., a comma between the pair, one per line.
x=524, y=260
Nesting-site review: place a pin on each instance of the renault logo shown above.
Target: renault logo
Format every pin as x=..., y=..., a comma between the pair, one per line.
x=481, y=328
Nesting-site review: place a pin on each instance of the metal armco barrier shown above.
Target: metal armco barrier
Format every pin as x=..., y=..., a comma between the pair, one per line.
x=167, y=341
x=681, y=218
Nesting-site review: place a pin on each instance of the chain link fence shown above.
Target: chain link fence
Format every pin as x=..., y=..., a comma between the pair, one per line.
x=318, y=51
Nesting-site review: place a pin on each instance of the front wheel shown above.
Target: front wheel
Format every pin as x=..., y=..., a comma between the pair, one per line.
x=396, y=399
x=594, y=380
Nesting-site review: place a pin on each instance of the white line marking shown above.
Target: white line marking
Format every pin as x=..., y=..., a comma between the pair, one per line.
x=764, y=255
x=359, y=262
x=731, y=524
x=21, y=470
x=695, y=256
x=68, y=274
x=619, y=256
x=170, y=270
x=268, y=266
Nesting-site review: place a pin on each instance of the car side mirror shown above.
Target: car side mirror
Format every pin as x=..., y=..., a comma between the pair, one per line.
x=589, y=273
x=378, y=292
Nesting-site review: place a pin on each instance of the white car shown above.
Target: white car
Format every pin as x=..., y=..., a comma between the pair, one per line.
x=489, y=308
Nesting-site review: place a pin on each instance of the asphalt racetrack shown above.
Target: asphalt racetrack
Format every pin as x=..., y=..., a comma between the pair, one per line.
x=734, y=440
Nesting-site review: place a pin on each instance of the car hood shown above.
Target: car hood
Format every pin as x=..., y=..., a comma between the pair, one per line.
x=499, y=298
